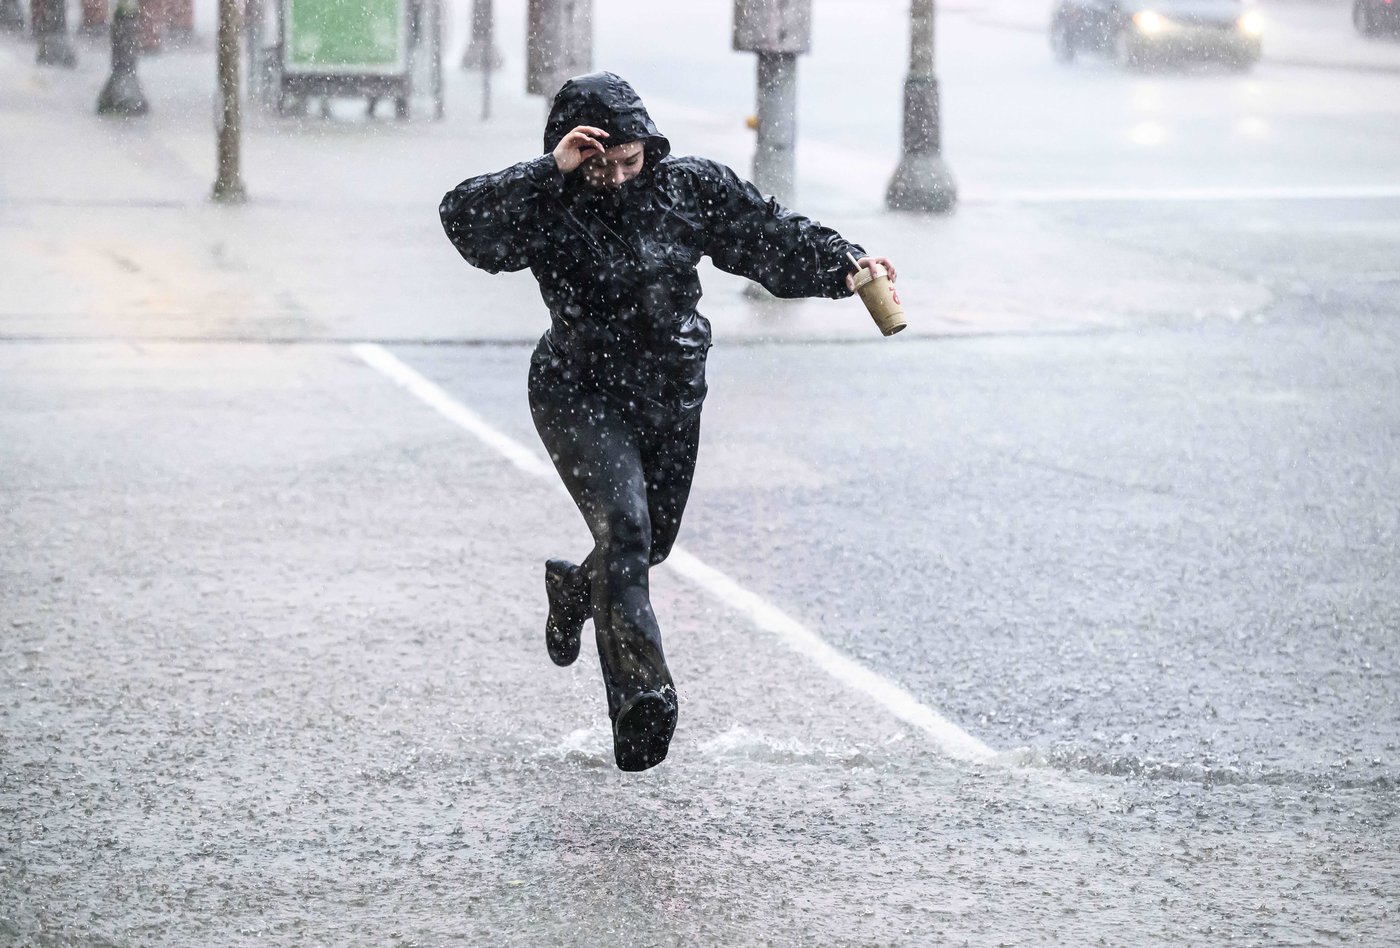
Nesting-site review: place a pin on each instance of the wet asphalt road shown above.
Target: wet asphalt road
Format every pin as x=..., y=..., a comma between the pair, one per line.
x=270, y=669
x=1157, y=564
x=280, y=685
x=1171, y=547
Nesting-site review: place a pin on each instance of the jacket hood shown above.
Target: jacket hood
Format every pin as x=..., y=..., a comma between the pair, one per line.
x=605, y=101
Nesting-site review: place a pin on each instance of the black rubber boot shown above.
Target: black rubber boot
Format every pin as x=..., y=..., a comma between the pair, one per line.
x=643, y=729
x=567, y=590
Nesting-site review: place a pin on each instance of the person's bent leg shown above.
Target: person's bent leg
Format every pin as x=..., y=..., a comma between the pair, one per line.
x=597, y=456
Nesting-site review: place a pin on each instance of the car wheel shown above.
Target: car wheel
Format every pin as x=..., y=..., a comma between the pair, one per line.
x=1061, y=41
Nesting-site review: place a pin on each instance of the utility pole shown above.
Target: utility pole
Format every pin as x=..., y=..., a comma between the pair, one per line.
x=778, y=31
x=122, y=94
x=11, y=16
x=50, y=19
x=922, y=182
x=559, y=45
x=180, y=22
x=228, y=186
x=775, y=142
x=153, y=20
x=94, y=17
x=489, y=60
x=481, y=51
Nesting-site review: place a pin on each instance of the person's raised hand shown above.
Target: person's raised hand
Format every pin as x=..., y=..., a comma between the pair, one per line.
x=578, y=146
x=864, y=262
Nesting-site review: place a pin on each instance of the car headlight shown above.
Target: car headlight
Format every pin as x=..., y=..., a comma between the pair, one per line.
x=1149, y=22
x=1251, y=24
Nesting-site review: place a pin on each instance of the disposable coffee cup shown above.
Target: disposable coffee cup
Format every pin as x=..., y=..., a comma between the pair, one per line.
x=880, y=297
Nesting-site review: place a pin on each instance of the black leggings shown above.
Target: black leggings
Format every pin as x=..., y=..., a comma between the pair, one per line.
x=630, y=478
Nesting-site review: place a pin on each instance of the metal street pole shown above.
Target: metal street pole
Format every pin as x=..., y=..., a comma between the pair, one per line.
x=258, y=81
x=180, y=23
x=481, y=51
x=439, y=100
x=490, y=59
x=11, y=16
x=50, y=19
x=122, y=94
x=94, y=17
x=559, y=45
x=922, y=182
x=152, y=25
x=228, y=186
x=775, y=145
x=778, y=31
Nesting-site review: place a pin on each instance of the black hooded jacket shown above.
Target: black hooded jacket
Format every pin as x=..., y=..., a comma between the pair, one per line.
x=616, y=267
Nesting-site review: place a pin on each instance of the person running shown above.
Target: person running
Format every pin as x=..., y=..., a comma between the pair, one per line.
x=612, y=226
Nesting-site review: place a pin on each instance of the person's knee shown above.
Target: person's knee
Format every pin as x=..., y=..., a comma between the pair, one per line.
x=626, y=535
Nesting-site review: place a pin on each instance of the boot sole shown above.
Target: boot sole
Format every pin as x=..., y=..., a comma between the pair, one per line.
x=642, y=734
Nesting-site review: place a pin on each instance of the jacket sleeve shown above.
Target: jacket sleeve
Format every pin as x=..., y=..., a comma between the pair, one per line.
x=758, y=238
x=497, y=221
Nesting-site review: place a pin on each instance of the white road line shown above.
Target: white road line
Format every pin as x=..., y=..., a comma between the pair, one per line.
x=951, y=739
x=1180, y=195
x=954, y=741
x=379, y=359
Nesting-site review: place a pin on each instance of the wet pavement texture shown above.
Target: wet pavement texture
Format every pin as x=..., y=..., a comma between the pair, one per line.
x=1121, y=504
x=1168, y=548
x=282, y=685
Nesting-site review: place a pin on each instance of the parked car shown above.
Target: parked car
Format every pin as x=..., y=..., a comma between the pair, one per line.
x=1144, y=32
x=1373, y=17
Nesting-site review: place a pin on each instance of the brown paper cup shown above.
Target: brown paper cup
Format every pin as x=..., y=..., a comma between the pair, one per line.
x=881, y=298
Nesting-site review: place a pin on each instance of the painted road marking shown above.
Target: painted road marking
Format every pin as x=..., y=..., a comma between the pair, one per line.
x=379, y=359
x=1182, y=195
x=951, y=739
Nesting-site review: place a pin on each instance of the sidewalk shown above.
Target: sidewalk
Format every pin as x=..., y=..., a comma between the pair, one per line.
x=111, y=234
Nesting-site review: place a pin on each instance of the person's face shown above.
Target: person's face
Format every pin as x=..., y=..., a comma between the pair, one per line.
x=614, y=167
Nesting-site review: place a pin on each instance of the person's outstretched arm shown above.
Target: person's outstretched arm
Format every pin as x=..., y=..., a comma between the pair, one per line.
x=754, y=237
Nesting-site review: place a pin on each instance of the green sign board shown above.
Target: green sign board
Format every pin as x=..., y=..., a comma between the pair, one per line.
x=345, y=37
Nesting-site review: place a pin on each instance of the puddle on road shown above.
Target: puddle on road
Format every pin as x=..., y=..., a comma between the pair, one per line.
x=592, y=747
